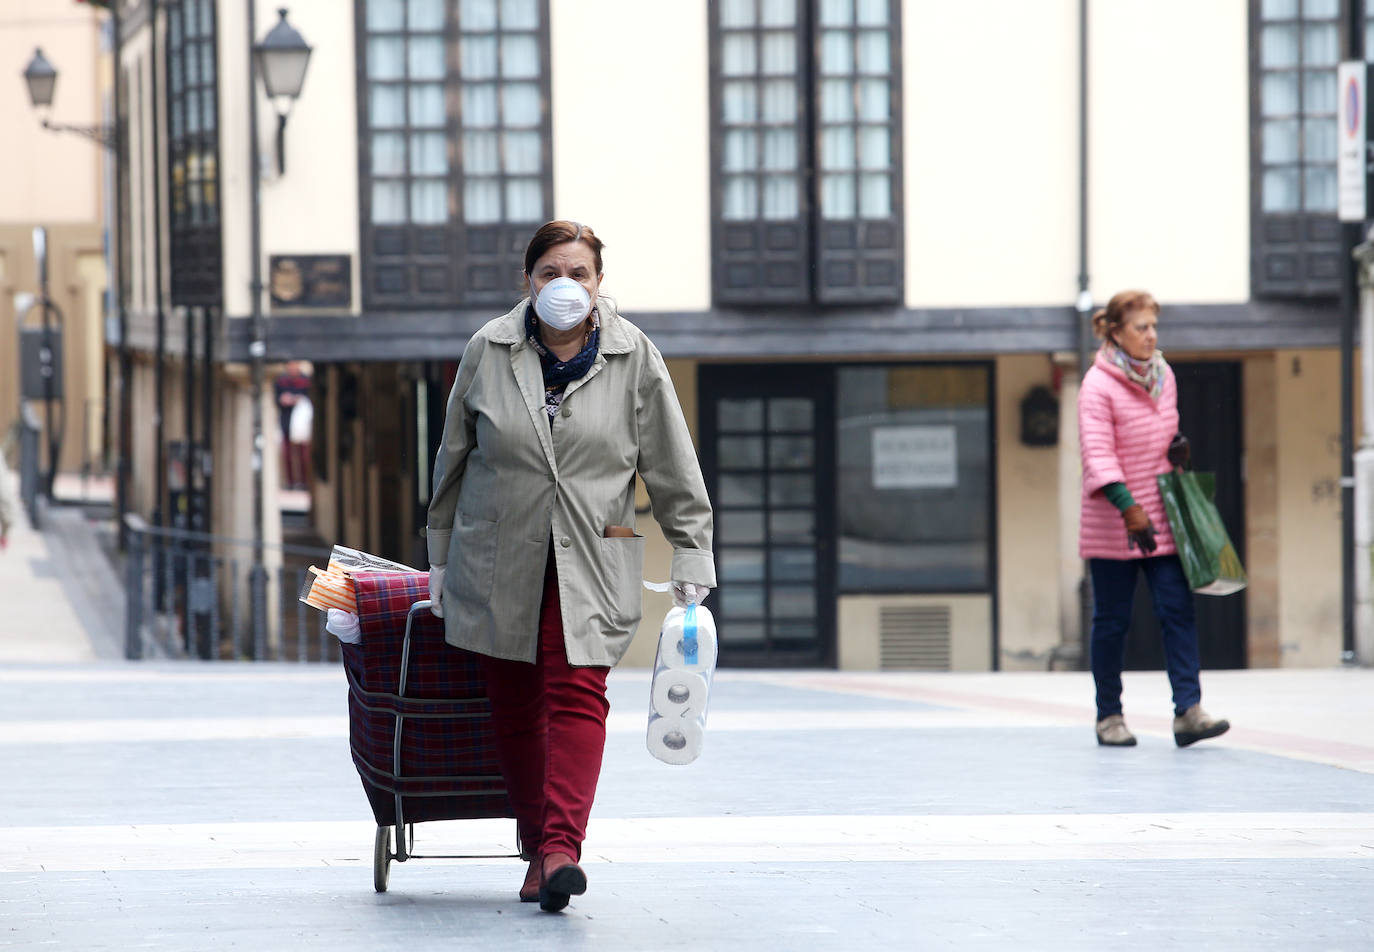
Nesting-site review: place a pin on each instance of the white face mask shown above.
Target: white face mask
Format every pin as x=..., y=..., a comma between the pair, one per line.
x=563, y=304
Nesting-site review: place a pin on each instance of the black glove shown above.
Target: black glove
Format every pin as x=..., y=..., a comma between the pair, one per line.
x=1140, y=531
x=1180, y=451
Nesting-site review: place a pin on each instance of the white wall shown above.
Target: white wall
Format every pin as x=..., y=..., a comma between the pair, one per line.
x=631, y=138
x=313, y=209
x=49, y=177
x=991, y=142
x=1169, y=149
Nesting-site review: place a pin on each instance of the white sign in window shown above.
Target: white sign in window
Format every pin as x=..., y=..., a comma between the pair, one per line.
x=915, y=457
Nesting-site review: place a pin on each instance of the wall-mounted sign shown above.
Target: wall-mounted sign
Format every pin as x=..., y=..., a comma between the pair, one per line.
x=1352, y=137
x=915, y=457
x=311, y=281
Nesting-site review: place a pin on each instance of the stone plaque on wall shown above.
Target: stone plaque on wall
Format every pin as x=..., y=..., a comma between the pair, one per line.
x=310, y=281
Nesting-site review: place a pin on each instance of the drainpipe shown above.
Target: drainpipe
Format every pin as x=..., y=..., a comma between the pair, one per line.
x=1351, y=235
x=1084, y=303
x=1363, y=535
x=160, y=372
x=257, y=349
x=1083, y=312
x=121, y=297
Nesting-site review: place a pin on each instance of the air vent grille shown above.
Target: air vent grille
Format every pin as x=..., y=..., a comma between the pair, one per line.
x=915, y=637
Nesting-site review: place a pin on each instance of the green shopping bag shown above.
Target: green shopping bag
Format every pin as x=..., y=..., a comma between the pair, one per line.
x=1209, y=559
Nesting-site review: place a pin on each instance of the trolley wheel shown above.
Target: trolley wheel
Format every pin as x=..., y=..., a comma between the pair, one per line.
x=381, y=859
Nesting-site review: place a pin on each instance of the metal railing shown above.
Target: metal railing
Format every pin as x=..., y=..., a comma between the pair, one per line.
x=191, y=595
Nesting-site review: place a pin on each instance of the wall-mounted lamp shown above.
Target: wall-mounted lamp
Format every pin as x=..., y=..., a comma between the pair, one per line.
x=281, y=59
x=1040, y=418
x=41, y=78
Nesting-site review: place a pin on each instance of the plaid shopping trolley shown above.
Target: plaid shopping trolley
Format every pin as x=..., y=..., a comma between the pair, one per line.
x=419, y=723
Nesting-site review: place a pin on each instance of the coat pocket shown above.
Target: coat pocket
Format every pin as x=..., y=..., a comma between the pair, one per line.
x=472, y=559
x=622, y=567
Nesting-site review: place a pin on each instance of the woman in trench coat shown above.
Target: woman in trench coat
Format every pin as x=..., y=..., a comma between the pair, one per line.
x=534, y=561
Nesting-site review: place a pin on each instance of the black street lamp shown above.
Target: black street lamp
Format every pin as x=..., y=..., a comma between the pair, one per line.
x=41, y=78
x=281, y=59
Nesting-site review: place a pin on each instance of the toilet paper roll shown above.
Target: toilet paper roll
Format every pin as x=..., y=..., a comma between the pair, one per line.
x=675, y=740
x=671, y=649
x=678, y=693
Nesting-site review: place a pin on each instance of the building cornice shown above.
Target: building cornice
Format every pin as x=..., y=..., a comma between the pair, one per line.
x=725, y=334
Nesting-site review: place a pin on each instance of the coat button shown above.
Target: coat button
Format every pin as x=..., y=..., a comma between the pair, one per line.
x=566, y=411
x=566, y=542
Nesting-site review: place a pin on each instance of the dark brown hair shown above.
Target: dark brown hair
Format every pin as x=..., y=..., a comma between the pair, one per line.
x=556, y=233
x=1108, y=320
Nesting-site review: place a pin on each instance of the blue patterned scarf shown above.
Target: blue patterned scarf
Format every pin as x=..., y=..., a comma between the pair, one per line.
x=559, y=373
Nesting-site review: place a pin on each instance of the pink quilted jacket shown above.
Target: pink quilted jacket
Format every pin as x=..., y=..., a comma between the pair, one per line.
x=1123, y=435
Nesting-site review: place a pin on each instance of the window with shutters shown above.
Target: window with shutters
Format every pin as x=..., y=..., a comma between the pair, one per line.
x=806, y=144
x=455, y=156
x=1296, y=237
x=193, y=153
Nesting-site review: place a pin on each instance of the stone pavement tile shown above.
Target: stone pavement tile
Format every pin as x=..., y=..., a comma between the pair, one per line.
x=78, y=541
x=203, y=807
x=39, y=622
x=1124, y=906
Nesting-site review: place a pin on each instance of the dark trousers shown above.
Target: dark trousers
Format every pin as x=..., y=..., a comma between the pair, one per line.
x=550, y=722
x=1113, y=593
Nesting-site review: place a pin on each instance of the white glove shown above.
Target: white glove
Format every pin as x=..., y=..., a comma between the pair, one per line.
x=344, y=626
x=436, y=589
x=689, y=593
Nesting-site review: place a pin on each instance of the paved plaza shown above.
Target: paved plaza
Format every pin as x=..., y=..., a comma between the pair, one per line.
x=187, y=806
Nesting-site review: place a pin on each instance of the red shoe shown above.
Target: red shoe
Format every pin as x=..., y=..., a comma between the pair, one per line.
x=561, y=879
x=529, y=889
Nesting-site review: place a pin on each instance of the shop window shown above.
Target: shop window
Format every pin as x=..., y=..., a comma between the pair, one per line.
x=915, y=483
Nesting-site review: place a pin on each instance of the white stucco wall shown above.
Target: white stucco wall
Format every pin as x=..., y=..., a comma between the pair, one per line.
x=1169, y=149
x=313, y=208
x=991, y=143
x=631, y=140
x=50, y=177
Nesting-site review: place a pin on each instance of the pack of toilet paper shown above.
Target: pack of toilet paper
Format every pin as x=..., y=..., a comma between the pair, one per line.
x=681, y=686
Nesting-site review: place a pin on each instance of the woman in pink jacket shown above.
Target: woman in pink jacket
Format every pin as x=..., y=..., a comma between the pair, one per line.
x=1128, y=433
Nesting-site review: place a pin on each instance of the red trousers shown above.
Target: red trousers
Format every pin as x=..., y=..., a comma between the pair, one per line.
x=550, y=722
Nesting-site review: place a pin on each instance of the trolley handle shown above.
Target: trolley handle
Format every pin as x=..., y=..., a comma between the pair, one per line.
x=422, y=605
x=402, y=850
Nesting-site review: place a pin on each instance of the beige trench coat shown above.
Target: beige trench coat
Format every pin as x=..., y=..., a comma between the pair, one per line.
x=506, y=484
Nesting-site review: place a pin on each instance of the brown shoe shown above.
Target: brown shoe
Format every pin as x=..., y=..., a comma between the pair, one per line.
x=529, y=889
x=560, y=880
x=1112, y=732
x=1195, y=724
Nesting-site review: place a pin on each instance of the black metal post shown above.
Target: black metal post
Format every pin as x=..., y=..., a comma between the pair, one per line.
x=133, y=588
x=49, y=371
x=124, y=466
x=160, y=315
x=1352, y=233
x=257, y=579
